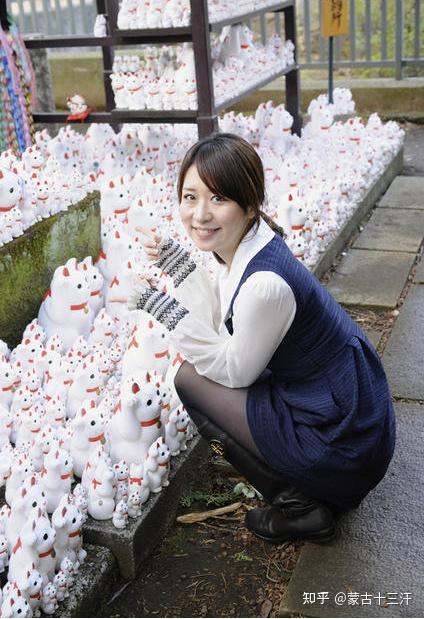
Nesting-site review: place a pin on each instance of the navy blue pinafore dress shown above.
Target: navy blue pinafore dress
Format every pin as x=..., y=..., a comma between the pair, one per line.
x=322, y=415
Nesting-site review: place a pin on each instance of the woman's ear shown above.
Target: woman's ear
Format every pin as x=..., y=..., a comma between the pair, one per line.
x=251, y=213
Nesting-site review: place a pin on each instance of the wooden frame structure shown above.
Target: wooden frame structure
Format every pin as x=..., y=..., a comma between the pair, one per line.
x=198, y=33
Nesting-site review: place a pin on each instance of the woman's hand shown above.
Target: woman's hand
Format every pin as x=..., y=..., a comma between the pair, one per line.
x=150, y=242
x=145, y=279
x=167, y=255
x=118, y=300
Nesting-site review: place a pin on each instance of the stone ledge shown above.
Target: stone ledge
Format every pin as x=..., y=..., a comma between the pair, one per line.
x=98, y=572
x=132, y=545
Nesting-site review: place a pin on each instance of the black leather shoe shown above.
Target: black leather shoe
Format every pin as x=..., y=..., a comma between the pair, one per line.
x=292, y=516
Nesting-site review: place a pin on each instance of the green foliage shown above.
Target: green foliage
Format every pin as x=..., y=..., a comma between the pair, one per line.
x=208, y=498
x=242, y=556
x=247, y=491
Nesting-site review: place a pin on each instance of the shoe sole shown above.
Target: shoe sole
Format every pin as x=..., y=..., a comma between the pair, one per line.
x=320, y=538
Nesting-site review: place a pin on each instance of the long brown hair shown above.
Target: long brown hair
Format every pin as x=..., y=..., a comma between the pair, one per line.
x=230, y=167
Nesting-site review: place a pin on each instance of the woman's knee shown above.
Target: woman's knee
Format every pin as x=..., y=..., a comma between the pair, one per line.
x=182, y=379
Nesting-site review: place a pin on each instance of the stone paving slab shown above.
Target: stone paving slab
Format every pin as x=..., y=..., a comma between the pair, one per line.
x=373, y=336
x=419, y=274
x=405, y=192
x=393, y=230
x=378, y=547
x=370, y=278
x=403, y=357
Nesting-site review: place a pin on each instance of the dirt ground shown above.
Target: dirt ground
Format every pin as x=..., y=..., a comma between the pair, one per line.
x=215, y=568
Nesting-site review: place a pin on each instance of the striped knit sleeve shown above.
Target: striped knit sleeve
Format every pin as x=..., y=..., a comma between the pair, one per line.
x=192, y=284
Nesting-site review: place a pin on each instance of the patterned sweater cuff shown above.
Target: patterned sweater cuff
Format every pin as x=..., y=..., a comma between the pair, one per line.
x=160, y=305
x=176, y=261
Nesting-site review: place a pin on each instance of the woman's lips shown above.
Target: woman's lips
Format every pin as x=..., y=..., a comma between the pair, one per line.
x=205, y=233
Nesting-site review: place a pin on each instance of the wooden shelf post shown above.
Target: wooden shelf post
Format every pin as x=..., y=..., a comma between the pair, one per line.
x=292, y=78
x=207, y=119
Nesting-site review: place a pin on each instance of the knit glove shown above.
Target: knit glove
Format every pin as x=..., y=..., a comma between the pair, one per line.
x=158, y=304
x=175, y=261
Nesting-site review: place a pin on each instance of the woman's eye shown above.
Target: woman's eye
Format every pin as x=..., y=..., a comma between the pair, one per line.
x=189, y=196
x=218, y=199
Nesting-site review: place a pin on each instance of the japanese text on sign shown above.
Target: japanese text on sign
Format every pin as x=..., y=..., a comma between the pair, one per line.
x=334, y=17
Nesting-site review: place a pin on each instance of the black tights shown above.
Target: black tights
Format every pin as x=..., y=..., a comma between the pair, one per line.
x=225, y=406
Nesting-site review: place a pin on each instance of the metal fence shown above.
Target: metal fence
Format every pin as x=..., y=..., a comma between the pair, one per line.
x=382, y=34
x=54, y=17
x=385, y=34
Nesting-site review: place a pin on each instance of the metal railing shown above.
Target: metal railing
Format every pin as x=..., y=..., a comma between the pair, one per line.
x=54, y=17
x=386, y=34
x=382, y=34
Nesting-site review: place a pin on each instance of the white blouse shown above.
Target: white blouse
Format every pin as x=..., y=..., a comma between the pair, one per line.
x=263, y=311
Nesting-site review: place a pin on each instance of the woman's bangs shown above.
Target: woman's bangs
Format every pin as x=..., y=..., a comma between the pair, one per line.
x=215, y=170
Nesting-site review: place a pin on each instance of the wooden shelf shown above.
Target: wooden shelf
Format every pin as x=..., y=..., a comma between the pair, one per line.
x=256, y=86
x=154, y=116
x=278, y=6
x=67, y=41
x=152, y=35
x=163, y=35
x=60, y=117
x=206, y=116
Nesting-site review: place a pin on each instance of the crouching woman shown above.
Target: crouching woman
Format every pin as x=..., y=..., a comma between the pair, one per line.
x=278, y=377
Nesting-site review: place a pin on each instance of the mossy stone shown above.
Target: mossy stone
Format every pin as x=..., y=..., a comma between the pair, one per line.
x=28, y=262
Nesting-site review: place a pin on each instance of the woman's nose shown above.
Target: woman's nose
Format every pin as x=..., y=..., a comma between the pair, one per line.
x=202, y=211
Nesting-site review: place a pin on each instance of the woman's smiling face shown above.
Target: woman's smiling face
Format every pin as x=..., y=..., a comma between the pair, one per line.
x=214, y=223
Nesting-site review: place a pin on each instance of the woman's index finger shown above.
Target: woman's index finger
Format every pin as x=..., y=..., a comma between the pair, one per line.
x=146, y=231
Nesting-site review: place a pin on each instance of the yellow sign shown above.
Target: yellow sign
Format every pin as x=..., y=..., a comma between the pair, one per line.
x=334, y=17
